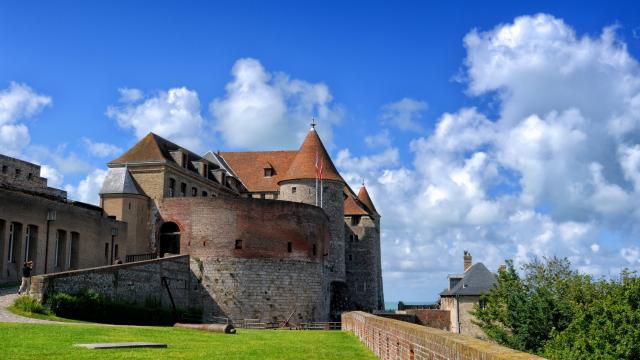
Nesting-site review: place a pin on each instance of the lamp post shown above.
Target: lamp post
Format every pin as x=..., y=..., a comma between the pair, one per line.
x=114, y=233
x=51, y=216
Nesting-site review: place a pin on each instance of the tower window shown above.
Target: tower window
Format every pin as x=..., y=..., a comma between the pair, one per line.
x=293, y=190
x=194, y=191
x=238, y=244
x=289, y=247
x=315, y=251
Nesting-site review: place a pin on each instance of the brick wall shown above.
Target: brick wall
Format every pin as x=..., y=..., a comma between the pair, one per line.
x=133, y=282
x=438, y=319
x=262, y=279
x=393, y=339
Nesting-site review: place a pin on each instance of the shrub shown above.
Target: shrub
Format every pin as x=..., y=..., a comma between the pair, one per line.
x=28, y=304
x=90, y=306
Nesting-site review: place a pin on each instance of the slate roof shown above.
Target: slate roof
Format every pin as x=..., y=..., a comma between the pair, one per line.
x=476, y=280
x=249, y=167
x=119, y=181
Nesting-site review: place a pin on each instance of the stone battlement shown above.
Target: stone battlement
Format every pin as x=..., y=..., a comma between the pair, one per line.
x=393, y=339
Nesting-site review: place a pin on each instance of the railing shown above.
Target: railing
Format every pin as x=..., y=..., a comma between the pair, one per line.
x=140, y=257
x=258, y=324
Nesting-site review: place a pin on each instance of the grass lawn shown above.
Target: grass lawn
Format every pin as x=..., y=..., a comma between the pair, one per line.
x=52, y=341
x=50, y=317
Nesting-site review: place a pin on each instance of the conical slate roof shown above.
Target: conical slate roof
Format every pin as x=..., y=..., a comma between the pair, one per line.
x=304, y=164
x=363, y=195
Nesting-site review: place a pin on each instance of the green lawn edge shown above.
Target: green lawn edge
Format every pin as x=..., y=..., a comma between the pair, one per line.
x=50, y=317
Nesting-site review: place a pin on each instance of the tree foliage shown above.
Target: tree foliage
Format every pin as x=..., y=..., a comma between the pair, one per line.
x=554, y=311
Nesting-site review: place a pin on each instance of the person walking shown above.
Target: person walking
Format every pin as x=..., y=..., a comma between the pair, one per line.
x=26, y=277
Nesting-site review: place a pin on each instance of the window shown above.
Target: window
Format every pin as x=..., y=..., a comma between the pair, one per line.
x=350, y=237
x=289, y=247
x=172, y=187
x=350, y=257
x=357, y=238
x=106, y=253
x=293, y=190
x=29, y=176
x=11, y=230
x=194, y=191
x=30, y=242
x=18, y=172
x=129, y=205
x=75, y=250
x=483, y=304
x=238, y=244
x=183, y=189
x=61, y=246
x=115, y=251
x=315, y=250
x=268, y=172
x=204, y=194
x=5, y=169
x=355, y=220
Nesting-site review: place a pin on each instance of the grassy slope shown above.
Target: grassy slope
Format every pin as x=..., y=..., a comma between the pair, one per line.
x=38, y=341
x=49, y=317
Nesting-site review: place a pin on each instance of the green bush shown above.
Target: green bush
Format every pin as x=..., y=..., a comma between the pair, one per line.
x=28, y=304
x=90, y=306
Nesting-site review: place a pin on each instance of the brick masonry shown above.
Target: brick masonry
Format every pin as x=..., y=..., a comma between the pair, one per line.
x=133, y=282
x=393, y=339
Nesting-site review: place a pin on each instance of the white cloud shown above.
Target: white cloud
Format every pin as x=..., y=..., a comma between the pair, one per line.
x=54, y=177
x=174, y=114
x=101, y=149
x=18, y=102
x=554, y=171
x=263, y=110
x=405, y=114
x=87, y=189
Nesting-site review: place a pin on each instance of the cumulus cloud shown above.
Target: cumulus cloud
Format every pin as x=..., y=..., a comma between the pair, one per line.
x=18, y=102
x=101, y=149
x=405, y=114
x=87, y=189
x=555, y=171
x=174, y=114
x=264, y=110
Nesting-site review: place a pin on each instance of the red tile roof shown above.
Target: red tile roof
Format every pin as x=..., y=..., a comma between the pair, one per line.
x=364, y=197
x=304, y=164
x=351, y=204
x=249, y=166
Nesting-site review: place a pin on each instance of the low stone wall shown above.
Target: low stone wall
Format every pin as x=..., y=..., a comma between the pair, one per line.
x=393, y=339
x=134, y=282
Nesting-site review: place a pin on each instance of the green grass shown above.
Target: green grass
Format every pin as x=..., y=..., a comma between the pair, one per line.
x=39, y=341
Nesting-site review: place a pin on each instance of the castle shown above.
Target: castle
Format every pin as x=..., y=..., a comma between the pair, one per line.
x=266, y=238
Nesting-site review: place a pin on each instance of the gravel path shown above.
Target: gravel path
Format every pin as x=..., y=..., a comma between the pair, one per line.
x=7, y=296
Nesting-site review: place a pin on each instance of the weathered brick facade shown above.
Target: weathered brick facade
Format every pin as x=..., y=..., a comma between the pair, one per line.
x=394, y=339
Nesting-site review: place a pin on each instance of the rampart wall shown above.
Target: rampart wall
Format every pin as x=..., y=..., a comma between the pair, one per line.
x=255, y=258
x=132, y=282
x=393, y=339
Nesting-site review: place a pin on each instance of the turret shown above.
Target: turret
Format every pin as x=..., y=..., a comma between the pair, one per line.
x=302, y=183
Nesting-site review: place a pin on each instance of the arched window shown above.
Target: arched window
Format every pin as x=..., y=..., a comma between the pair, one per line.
x=169, y=239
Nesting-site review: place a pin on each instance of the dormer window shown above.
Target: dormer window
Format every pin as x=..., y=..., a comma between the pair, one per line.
x=268, y=172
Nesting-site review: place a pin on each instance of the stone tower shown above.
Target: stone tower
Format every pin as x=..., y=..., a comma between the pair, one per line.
x=363, y=263
x=299, y=185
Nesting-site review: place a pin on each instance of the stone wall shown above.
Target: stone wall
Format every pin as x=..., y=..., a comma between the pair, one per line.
x=133, y=282
x=79, y=237
x=438, y=319
x=465, y=326
x=363, y=269
x=23, y=174
x=255, y=258
x=393, y=339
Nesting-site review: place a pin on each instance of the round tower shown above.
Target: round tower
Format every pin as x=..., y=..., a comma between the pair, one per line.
x=313, y=179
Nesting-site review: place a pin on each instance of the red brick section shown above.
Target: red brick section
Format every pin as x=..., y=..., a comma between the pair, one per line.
x=393, y=339
x=439, y=319
x=304, y=164
x=249, y=166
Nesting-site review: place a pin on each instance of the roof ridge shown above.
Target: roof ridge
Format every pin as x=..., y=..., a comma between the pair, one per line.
x=304, y=164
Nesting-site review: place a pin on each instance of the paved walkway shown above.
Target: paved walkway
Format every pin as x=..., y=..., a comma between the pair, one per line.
x=7, y=296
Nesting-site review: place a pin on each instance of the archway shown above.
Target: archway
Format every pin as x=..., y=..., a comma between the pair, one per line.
x=169, y=239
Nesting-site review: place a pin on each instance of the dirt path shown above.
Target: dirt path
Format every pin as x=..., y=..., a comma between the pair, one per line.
x=7, y=296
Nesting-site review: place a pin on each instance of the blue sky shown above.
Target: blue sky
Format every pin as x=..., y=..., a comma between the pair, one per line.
x=381, y=77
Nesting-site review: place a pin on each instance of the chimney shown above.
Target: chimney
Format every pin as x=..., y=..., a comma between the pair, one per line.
x=467, y=260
